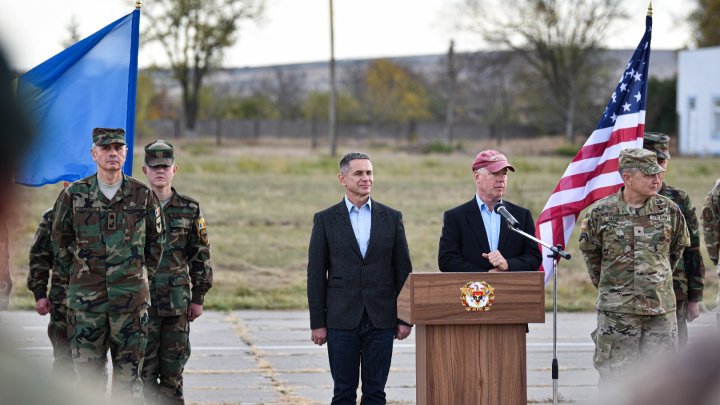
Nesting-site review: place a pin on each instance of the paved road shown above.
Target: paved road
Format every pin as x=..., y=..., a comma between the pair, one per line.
x=266, y=357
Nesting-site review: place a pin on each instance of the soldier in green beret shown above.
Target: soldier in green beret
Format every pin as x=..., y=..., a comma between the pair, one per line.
x=711, y=229
x=107, y=233
x=631, y=242
x=185, y=263
x=689, y=275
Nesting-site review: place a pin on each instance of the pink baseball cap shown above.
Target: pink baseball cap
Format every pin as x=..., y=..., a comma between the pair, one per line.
x=492, y=160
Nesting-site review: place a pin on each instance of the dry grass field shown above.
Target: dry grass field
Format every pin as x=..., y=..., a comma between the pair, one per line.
x=258, y=200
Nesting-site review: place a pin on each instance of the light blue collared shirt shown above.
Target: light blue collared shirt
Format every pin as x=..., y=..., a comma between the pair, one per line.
x=360, y=220
x=491, y=220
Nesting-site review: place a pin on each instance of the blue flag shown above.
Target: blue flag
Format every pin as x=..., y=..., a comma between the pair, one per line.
x=90, y=84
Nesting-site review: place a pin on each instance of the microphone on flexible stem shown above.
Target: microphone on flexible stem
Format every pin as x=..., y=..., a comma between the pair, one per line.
x=507, y=215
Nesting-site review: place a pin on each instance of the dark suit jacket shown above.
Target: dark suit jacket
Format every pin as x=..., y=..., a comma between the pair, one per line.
x=341, y=283
x=463, y=241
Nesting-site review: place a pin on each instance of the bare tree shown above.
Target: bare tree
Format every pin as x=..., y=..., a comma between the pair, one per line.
x=194, y=35
x=488, y=90
x=557, y=39
x=286, y=90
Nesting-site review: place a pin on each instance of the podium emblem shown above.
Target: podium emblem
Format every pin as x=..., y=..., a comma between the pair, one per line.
x=477, y=296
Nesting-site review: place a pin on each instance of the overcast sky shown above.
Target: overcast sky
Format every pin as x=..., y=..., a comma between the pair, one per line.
x=32, y=31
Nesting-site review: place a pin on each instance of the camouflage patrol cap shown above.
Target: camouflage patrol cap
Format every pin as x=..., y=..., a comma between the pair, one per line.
x=658, y=143
x=159, y=153
x=106, y=136
x=641, y=159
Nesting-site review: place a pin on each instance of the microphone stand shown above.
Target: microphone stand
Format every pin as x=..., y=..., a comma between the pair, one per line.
x=557, y=253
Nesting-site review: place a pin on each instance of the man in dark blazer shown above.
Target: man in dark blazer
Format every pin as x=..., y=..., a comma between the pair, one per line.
x=475, y=238
x=358, y=261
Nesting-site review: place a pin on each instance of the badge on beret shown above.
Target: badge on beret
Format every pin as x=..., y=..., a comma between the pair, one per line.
x=477, y=296
x=202, y=230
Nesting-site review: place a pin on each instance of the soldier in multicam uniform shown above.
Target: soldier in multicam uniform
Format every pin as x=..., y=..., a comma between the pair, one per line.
x=711, y=230
x=108, y=235
x=42, y=261
x=689, y=275
x=185, y=260
x=631, y=241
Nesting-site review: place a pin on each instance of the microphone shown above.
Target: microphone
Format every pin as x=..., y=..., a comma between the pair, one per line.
x=507, y=215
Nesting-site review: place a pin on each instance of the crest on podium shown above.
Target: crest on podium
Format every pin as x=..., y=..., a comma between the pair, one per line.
x=477, y=296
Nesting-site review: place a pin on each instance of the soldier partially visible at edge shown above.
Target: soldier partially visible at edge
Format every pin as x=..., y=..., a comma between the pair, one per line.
x=711, y=230
x=631, y=242
x=108, y=235
x=689, y=275
x=186, y=259
x=41, y=264
x=5, y=278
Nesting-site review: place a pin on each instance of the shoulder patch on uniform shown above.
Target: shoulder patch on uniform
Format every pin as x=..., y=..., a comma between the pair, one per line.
x=202, y=230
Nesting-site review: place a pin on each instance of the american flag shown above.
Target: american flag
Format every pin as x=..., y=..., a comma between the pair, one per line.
x=593, y=173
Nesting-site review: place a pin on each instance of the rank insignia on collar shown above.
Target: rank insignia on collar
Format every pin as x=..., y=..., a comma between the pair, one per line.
x=477, y=296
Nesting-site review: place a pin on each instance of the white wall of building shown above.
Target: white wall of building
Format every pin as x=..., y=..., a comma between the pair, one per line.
x=698, y=101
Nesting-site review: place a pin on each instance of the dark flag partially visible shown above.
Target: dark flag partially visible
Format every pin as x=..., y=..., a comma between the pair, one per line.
x=593, y=173
x=91, y=84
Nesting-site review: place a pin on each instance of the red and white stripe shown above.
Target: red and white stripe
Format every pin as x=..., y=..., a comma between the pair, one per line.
x=592, y=175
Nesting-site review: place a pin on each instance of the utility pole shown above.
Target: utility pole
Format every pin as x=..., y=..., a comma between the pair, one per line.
x=333, y=91
x=451, y=89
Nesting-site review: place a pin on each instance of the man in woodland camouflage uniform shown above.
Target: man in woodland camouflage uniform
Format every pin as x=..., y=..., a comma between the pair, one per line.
x=689, y=275
x=42, y=262
x=711, y=229
x=186, y=259
x=631, y=241
x=108, y=234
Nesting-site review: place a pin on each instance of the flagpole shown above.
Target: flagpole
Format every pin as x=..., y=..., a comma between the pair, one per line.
x=132, y=87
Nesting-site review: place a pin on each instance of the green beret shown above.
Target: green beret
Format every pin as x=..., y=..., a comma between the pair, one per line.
x=106, y=136
x=658, y=143
x=159, y=153
x=641, y=159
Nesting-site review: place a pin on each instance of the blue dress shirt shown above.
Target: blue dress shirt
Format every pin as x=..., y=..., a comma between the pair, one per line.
x=491, y=220
x=360, y=221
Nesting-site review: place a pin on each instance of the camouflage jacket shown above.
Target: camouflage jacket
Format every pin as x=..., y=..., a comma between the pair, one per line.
x=630, y=253
x=711, y=221
x=185, y=259
x=108, y=248
x=42, y=261
x=689, y=274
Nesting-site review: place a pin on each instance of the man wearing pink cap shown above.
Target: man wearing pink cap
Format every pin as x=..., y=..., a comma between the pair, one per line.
x=475, y=238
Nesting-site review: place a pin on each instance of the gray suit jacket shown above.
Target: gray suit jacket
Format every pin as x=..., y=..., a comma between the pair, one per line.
x=341, y=283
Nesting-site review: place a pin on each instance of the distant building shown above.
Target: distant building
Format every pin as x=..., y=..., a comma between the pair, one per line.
x=698, y=101
x=314, y=76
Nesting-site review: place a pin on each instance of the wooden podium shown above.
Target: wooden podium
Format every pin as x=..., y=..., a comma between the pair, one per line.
x=471, y=357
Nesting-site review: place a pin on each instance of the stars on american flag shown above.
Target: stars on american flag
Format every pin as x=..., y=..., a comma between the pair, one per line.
x=628, y=97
